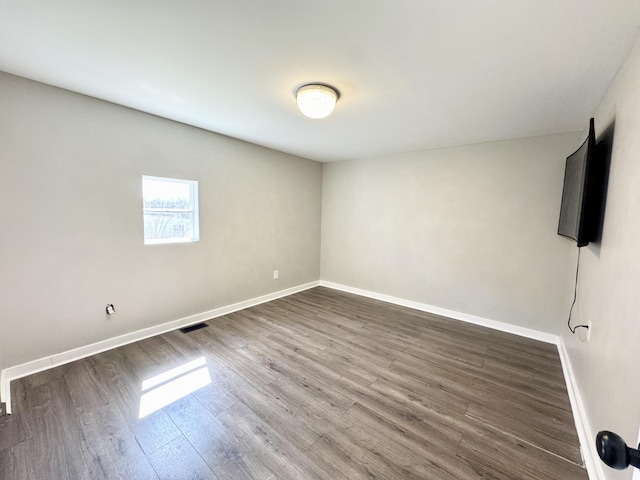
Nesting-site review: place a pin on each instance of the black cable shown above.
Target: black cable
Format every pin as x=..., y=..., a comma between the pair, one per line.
x=575, y=295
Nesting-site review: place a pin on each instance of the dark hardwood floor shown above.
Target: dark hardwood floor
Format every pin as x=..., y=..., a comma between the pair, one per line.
x=318, y=385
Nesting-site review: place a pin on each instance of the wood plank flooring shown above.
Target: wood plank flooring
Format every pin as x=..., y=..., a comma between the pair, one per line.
x=317, y=385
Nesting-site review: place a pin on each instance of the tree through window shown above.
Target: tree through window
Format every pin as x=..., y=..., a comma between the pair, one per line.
x=170, y=210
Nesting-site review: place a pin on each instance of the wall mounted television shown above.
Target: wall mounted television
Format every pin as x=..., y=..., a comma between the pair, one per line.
x=580, y=210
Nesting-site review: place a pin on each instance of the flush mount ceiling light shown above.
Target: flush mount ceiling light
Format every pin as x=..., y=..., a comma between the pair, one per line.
x=316, y=100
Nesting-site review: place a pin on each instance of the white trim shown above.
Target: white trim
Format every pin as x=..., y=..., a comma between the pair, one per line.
x=35, y=366
x=465, y=317
x=586, y=435
x=4, y=391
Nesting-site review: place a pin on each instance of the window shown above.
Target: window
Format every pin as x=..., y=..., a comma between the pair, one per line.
x=170, y=210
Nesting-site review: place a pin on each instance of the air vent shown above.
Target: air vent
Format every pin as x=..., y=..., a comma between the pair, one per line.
x=197, y=326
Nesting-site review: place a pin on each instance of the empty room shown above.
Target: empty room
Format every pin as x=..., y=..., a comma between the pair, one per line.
x=293, y=240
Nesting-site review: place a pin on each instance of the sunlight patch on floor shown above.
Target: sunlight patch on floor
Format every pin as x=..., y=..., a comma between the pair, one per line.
x=172, y=385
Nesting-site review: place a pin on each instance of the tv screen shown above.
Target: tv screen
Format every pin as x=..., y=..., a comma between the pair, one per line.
x=579, y=212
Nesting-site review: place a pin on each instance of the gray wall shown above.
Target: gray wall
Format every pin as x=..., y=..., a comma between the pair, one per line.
x=470, y=229
x=606, y=368
x=71, y=236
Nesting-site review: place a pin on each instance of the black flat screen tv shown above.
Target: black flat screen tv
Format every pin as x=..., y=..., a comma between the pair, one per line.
x=582, y=192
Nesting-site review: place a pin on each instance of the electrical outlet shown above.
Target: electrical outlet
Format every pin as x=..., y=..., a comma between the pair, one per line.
x=585, y=333
x=275, y=274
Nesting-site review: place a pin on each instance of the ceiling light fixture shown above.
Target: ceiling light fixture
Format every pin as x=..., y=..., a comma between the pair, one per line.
x=317, y=100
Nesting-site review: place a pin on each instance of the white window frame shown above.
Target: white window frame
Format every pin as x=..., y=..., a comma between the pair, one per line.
x=194, y=211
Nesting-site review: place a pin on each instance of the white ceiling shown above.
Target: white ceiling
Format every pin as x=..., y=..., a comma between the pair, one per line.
x=413, y=74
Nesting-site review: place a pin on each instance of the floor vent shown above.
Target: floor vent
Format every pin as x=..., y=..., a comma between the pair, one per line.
x=197, y=326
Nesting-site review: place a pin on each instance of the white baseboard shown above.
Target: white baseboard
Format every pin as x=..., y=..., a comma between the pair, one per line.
x=465, y=317
x=35, y=366
x=586, y=436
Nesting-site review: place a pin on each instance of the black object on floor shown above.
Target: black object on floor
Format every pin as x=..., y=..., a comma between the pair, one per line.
x=191, y=328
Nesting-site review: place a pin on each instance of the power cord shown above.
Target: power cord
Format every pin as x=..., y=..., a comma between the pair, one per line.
x=575, y=295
